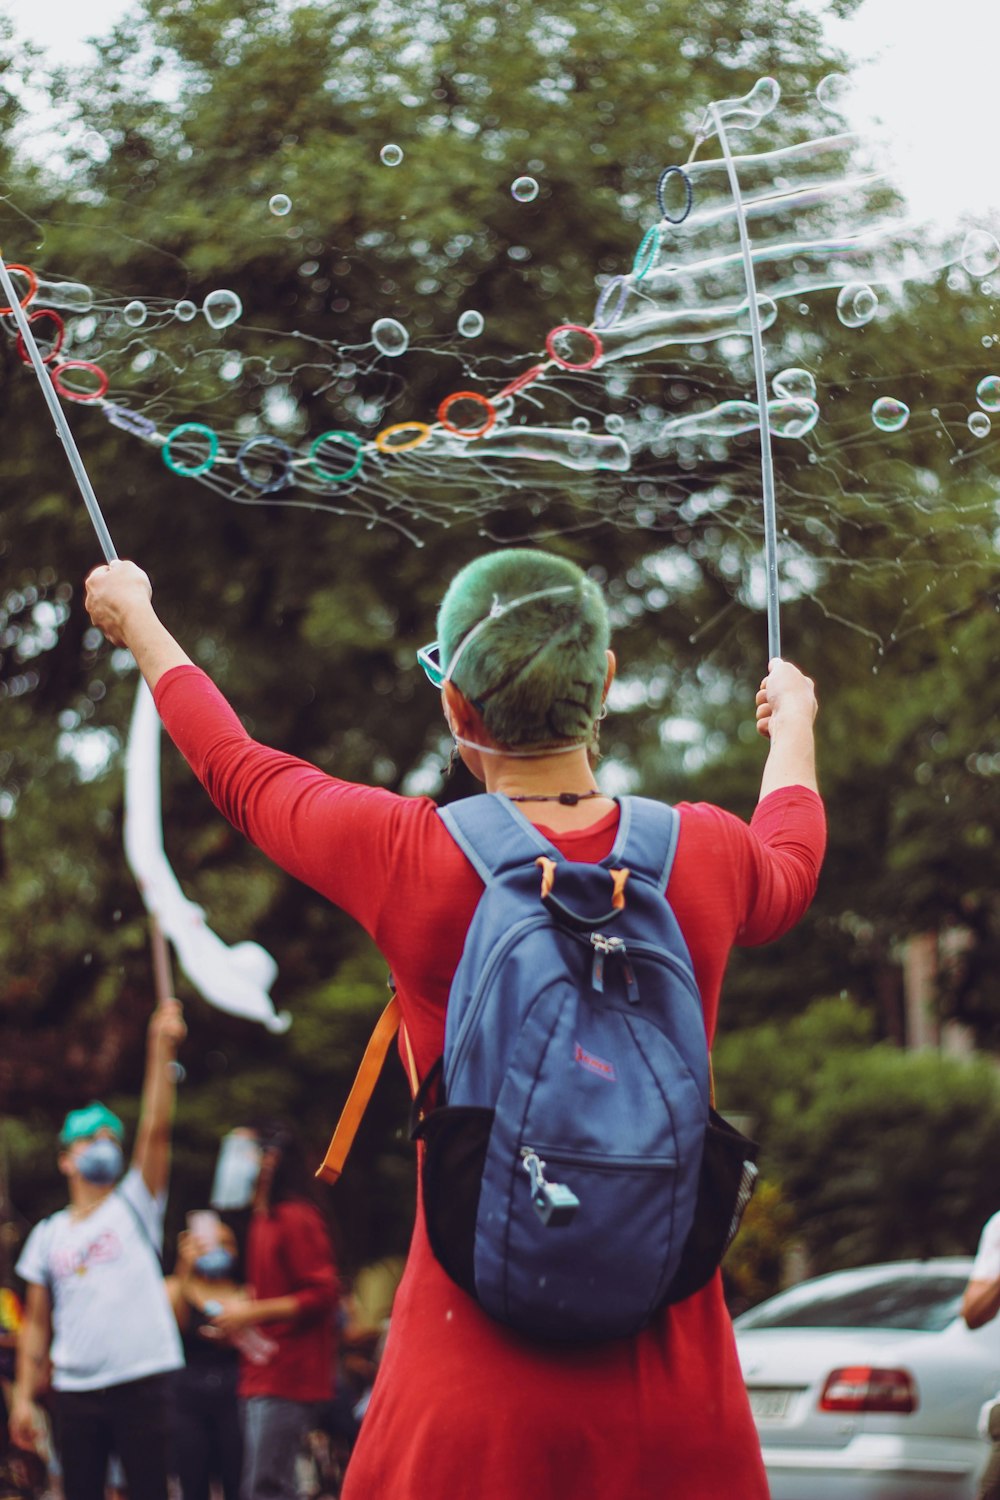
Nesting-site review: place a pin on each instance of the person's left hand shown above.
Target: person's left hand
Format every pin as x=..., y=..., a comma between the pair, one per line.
x=166, y=1027
x=237, y=1313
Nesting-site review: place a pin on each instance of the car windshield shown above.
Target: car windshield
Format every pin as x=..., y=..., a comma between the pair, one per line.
x=923, y=1303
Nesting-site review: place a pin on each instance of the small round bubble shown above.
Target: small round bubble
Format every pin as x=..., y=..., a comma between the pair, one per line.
x=988, y=393
x=831, y=90
x=794, y=382
x=471, y=324
x=524, y=189
x=980, y=252
x=391, y=155
x=221, y=308
x=856, y=304
x=979, y=424
x=614, y=423
x=390, y=337
x=184, y=311
x=890, y=415
x=280, y=204
x=134, y=314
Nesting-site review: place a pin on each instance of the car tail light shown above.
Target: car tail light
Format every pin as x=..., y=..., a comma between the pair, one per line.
x=868, y=1388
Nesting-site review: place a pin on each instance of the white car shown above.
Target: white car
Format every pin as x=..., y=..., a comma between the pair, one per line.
x=867, y=1385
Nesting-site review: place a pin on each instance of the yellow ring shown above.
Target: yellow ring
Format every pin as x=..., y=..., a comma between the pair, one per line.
x=422, y=430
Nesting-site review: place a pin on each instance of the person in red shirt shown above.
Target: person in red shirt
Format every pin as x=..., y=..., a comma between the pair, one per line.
x=285, y=1329
x=462, y=1406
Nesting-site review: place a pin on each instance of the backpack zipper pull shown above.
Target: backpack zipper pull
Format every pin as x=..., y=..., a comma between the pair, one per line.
x=554, y=1203
x=603, y=946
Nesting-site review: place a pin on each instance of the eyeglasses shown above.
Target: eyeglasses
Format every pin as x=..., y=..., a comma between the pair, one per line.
x=429, y=657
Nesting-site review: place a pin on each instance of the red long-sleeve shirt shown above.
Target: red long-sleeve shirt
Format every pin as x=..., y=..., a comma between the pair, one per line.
x=288, y=1254
x=463, y=1407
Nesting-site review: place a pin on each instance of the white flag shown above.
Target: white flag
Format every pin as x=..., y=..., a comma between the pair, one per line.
x=236, y=979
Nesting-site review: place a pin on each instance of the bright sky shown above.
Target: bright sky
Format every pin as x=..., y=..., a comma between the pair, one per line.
x=929, y=72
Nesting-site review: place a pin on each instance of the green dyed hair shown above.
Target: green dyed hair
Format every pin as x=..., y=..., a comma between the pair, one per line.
x=536, y=673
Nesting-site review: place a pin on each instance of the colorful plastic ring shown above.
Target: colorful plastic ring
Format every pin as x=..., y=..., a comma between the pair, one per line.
x=665, y=177
x=466, y=432
x=647, y=253
x=352, y=440
x=68, y=392
x=36, y=317
x=383, y=445
x=32, y=287
x=519, y=382
x=130, y=421
x=191, y=471
x=280, y=450
x=588, y=333
x=608, y=311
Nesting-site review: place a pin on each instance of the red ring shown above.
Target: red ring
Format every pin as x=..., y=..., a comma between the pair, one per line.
x=32, y=287
x=43, y=312
x=520, y=381
x=588, y=333
x=79, y=364
x=477, y=432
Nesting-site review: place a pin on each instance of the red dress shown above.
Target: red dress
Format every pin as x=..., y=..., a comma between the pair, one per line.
x=464, y=1409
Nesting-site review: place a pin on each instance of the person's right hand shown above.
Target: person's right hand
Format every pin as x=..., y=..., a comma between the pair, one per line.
x=784, y=692
x=24, y=1424
x=112, y=592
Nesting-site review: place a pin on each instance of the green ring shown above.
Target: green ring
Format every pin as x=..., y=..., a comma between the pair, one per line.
x=349, y=473
x=191, y=471
x=647, y=253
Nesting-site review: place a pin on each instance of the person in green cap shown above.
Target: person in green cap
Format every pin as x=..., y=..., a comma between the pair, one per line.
x=96, y=1309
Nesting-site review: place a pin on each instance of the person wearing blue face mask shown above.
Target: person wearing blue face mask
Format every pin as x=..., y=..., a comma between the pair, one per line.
x=96, y=1310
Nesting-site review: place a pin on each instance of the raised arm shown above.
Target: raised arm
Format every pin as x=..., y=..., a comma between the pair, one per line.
x=119, y=600
x=159, y=1089
x=786, y=709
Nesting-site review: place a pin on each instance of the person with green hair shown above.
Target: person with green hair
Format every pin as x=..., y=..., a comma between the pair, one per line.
x=96, y=1308
x=463, y=1406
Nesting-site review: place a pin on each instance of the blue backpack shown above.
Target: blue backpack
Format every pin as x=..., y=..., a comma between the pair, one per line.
x=575, y=1178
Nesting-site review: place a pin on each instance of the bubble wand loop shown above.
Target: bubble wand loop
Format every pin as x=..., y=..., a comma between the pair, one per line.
x=756, y=338
x=62, y=426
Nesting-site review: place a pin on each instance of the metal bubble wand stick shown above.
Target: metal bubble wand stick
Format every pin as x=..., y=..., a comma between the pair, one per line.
x=58, y=416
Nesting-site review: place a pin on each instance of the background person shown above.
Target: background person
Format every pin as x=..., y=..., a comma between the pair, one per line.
x=980, y=1305
x=95, y=1303
x=463, y=1406
x=208, y=1444
x=293, y=1293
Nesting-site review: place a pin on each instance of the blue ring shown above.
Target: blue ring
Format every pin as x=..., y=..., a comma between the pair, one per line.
x=665, y=177
x=284, y=475
x=602, y=319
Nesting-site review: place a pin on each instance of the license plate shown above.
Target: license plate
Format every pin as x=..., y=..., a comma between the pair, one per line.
x=769, y=1404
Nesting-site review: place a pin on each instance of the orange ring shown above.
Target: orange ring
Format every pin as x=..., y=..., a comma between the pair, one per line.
x=520, y=381
x=32, y=287
x=422, y=430
x=588, y=333
x=476, y=432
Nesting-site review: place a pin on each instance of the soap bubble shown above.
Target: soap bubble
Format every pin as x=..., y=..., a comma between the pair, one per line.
x=614, y=423
x=980, y=252
x=524, y=189
x=831, y=91
x=390, y=337
x=184, y=311
x=134, y=314
x=979, y=424
x=221, y=308
x=391, y=155
x=794, y=382
x=890, y=415
x=856, y=304
x=280, y=204
x=988, y=393
x=471, y=324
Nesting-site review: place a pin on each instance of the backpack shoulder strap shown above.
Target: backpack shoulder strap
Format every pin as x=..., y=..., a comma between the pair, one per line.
x=647, y=839
x=493, y=835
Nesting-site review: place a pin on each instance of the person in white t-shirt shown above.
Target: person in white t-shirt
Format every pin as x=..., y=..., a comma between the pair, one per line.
x=96, y=1309
x=980, y=1305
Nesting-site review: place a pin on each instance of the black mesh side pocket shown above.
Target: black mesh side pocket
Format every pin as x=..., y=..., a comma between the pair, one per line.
x=725, y=1187
x=455, y=1141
